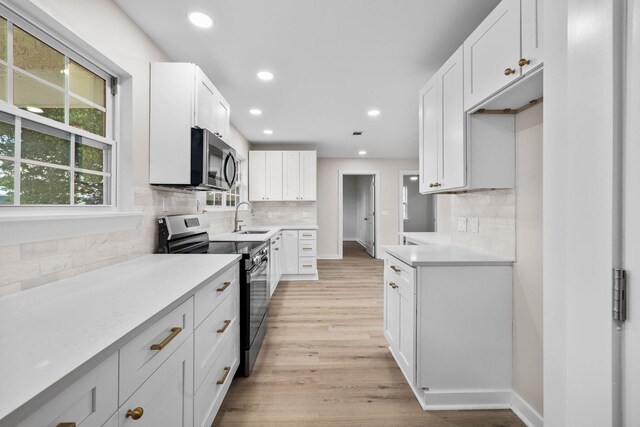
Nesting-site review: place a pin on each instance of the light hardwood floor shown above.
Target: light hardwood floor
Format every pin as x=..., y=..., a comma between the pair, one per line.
x=325, y=362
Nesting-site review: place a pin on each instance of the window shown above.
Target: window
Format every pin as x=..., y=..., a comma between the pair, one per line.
x=55, y=115
x=405, y=203
x=229, y=198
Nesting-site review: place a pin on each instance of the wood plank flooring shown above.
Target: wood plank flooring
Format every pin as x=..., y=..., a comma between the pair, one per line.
x=325, y=362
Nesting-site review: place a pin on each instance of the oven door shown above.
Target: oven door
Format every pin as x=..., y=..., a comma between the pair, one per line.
x=221, y=165
x=258, y=298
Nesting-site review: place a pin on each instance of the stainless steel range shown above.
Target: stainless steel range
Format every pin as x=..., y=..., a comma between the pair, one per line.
x=188, y=234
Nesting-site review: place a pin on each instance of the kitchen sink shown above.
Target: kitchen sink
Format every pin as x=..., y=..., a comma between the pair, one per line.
x=253, y=232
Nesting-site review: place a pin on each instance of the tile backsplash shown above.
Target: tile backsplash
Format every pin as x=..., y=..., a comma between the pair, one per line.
x=27, y=265
x=284, y=213
x=496, y=214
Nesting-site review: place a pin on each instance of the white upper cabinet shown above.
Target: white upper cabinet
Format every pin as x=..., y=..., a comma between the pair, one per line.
x=531, y=34
x=205, y=102
x=265, y=175
x=492, y=52
x=442, y=129
x=222, y=118
x=308, y=175
x=291, y=175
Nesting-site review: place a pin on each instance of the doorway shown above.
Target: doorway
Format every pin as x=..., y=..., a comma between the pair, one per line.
x=417, y=212
x=359, y=200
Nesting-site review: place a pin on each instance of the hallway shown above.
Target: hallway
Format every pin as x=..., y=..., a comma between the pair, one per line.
x=325, y=362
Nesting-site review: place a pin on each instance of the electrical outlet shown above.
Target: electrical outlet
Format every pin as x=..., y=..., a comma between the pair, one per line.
x=474, y=225
x=462, y=224
x=165, y=204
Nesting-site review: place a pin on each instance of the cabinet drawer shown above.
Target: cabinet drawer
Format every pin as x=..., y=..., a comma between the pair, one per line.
x=212, y=294
x=307, y=234
x=307, y=265
x=166, y=398
x=90, y=401
x=145, y=353
x=398, y=271
x=212, y=334
x=306, y=248
x=211, y=394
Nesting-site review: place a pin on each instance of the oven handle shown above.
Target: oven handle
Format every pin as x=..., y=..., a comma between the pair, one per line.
x=260, y=267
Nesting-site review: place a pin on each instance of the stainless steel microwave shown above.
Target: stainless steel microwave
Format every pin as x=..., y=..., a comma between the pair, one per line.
x=213, y=162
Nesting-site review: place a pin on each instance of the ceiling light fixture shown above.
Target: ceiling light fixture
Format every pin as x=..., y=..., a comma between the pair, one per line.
x=373, y=113
x=255, y=112
x=414, y=178
x=200, y=20
x=35, y=109
x=362, y=152
x=265, y=75
x=268, y=132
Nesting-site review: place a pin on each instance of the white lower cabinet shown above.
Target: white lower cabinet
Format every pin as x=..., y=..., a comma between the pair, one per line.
x=290, y=252
x=275, y=263
x=299, y=254
x=166, y=398
x=449, y=330
x=90, y=401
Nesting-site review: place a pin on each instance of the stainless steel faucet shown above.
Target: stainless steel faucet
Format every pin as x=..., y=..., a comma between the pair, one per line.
x=236, y=221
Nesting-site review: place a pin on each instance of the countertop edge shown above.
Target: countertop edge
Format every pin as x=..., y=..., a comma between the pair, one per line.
x=452, y=263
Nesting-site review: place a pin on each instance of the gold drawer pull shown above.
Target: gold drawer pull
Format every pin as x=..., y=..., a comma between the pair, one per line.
x=306, y=235
x=394, y=268
x=393, y=285
x=509, y=71
x=226, y=285
x=307, y=249
x=224, y=328
x=66, y=425
x=136, y=414
x=524, y=61
x=174, y=333
x=227, y=369
x=307, y=265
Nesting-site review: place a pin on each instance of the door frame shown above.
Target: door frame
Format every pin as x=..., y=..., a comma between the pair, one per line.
x=376, y=224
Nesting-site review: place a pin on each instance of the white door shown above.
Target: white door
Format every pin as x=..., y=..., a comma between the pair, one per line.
x=205, y=102
x=492, y=52
x=223, y=114
x=308, y=175
x=531, y=34
x=631, y=213
x=289, y=252
x=273, y=175
x=257, y=175
x=291, y=175
x=370, y=223
x=452, y=153
x=428, y=135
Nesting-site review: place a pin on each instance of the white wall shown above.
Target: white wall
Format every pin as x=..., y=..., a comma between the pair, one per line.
x=104, y=26
x=349, y=208
x=328, y=169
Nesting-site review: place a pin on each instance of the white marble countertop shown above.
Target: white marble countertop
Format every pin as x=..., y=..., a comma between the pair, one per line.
x=427, y=238
x=53, y=334
x=434, y=255
x=271, y=230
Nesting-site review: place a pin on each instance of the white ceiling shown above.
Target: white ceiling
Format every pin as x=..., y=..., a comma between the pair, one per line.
x=333, y=61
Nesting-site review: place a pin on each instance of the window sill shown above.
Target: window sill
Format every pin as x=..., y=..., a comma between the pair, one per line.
x=31, y=227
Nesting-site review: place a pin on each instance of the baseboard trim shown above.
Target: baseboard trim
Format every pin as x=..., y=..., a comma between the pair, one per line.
x=298, y=277
x=525, y=412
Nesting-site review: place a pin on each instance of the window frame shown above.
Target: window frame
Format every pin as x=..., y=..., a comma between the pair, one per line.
x=111, y=122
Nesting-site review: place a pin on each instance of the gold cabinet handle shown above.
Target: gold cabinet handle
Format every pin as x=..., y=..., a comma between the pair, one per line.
x=276, y=249
x=307, y=265
x=509, y=71
x=435, y=184
x=306, y=249
x=66, y=425
x=135, y=414
x=224, y=328
x=226, y=285
x=394, y=268
x=174, y=333
x=306, y=235
x=393, y=285
x=523, y=62
x=227, y=369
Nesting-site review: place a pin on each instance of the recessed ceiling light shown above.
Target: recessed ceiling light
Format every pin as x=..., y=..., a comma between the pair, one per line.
x=374, y=113
x=265, y=75
x=35, y=109
x=255, y=112
x=201, y=20
x=362, y=152
x=414, y=178
x=268, y=132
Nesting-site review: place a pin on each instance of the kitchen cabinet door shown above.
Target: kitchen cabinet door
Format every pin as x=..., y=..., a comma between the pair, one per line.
x=428, y=135
x=291, y=175
x=451, y=147
x=289, y=252
x=491, y=53
x=391, y=314
x=205, y=102
x=406, y=338
x=223, y=116
x=273, y=175
x=166, y=398
x=531, y=34
x=257, y=176
x=308, y=175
